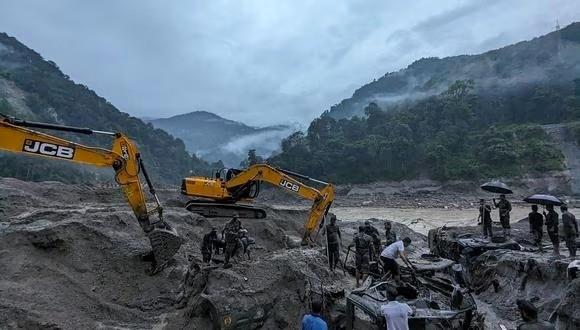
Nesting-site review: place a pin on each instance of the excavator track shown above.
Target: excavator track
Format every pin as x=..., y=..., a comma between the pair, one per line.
x=210, y=209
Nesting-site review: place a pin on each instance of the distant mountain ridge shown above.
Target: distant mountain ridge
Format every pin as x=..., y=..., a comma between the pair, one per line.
x=471, y=117
x=35, y=89
x=552, y=58
x=216, y=138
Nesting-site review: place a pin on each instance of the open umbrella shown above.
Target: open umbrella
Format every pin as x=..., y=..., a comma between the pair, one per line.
x=543, y=200
x=497, y=187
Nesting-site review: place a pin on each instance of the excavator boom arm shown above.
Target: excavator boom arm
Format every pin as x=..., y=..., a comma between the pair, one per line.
x=266, y=173
x=261, y=172
x=123, y=157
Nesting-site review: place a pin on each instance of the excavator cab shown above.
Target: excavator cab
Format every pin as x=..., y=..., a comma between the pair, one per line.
x=226, y=173
x=230, y=191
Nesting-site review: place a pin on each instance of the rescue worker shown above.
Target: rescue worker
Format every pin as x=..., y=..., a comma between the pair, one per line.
x=396, y=314
x=207, y=245
x=334, y=240
x=529, y=314
x=246, y=243
x=363, y=248
x=232, y=236
x=536, y=226
x=389, y=234
x=552, y=228
x=505, y=207
x=314, y=320
x=391, y=253
x=374, y=234
x=570, y=230
x=484, y=218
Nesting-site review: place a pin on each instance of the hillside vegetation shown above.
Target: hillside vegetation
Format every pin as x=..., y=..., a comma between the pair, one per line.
x=420, y=123
x=512, y=74
x=35, y=89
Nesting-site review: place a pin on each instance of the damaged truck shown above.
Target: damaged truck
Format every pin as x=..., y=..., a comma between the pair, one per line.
x=435, y=301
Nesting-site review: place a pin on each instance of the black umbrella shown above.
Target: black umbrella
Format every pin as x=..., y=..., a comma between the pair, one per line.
x=543, y=200
x=497, y=187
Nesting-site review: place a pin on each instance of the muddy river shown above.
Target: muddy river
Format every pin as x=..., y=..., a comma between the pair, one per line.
x=421, y=219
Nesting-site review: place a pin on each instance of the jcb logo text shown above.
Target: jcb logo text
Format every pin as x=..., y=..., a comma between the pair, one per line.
x=289, y=185
x=48, y=149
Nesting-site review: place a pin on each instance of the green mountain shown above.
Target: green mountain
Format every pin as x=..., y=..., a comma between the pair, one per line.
x=462, y=117
x=33, y=88
x=215, y=138
x=512, y=71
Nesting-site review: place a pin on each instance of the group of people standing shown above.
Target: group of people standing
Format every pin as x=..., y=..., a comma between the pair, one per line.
x=234, y=240
x=552, y=221
x=367, y=247
x=537, y=221
x=484, y=218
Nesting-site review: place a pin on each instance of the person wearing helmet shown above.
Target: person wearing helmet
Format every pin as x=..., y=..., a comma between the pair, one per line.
x=389, y=233
x=363, y=249
x=376, y=240
x=247, y=243
x=232, y=235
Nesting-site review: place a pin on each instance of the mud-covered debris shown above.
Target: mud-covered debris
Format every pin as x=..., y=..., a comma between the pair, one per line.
x=566, y=315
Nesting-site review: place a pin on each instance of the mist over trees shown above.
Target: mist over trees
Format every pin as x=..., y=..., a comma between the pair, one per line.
x=454, y=135
x=50, y=96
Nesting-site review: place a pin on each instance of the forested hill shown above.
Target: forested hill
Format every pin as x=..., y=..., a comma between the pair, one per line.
x=215, y=138
x=35, y=89
x=552, y=59
x=473, y=128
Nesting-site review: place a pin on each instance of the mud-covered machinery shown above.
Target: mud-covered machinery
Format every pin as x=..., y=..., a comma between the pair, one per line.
x=123, y=157
x=224, y=194
x=436, y=304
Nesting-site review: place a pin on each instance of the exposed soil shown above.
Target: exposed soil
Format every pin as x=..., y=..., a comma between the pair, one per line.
x=70, y=258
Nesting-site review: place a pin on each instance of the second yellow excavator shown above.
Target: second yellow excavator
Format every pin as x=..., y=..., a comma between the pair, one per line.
x=221, y=195
x=15, y=136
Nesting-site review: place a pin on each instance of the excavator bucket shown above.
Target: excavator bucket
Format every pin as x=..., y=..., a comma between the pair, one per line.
x=165, y=244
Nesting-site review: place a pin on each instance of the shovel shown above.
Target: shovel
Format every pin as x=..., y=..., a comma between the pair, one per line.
x=344, y=263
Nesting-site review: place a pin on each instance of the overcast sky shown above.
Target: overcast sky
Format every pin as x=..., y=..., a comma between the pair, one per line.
x=262, y=62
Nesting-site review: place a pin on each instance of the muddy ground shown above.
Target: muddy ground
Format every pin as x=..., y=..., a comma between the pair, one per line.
x=70, y=258
x=499, y=277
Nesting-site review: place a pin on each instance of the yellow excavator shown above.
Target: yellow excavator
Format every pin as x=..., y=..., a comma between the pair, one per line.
x=123, y=157
x=221, y=195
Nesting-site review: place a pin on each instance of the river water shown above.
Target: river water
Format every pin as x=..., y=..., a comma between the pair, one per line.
x=421, y=220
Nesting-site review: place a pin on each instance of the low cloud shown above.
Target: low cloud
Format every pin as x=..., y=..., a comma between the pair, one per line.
x=261, y=62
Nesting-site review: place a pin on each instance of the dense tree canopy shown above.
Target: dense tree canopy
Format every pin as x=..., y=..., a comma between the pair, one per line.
x=454, y=135
x=50, y=96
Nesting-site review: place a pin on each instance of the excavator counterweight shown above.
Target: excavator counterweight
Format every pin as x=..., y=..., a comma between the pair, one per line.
x=16, y=136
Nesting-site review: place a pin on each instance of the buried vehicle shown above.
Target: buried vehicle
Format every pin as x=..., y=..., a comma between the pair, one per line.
x=457, y=243
x=436, y=304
